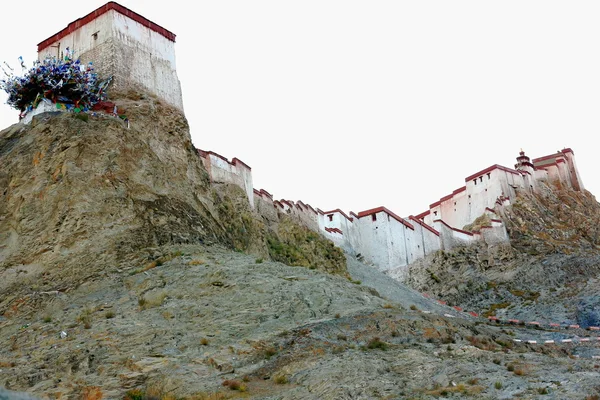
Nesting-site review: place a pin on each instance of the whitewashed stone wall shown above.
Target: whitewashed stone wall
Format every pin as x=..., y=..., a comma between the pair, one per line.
x=137, y=57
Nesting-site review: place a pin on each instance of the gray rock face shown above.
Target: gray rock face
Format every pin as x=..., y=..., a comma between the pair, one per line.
x=588, y=311
x=8, y=395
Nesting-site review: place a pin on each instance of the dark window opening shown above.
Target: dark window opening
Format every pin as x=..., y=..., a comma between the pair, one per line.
x=373, y=217
x=435, y=213
x=475, y=181
x=489, y=175
x=481, y=179
x=486, y=190
x=330, y=216
x=388, y=217
x=469, y=196
x=95, y=36
x=454, y=203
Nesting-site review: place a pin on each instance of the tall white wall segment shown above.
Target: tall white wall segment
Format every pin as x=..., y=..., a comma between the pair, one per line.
x=121, y=43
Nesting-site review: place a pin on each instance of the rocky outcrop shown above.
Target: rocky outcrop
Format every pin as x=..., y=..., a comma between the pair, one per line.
x=548, y=272
x=79, y=193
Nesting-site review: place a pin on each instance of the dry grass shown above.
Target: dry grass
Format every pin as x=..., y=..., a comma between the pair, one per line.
x=459, y=389
x=152, y=300
x=197, y=262
x=233, y=384
x=91, y=393
x=280, y=379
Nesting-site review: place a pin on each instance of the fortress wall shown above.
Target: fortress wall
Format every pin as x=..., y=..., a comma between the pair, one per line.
x=136, y=55
x=220, y=170
x=263, y=205
x=430, y=238
x=576, y=182
x=495, y=234
x=453, y=237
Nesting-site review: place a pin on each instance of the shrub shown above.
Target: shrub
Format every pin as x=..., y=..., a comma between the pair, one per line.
x=269, y=352
x=414, y=308
x=47, y=319
x=109, y=314
x=204, y=341
x=134, y=394
x=337, y=315
x=510, y=367
x=341, y=336
x=498, y=385
x=259, y=261
x=280, y=379
x=234, y=385
x=377, y=343
x=542, y=390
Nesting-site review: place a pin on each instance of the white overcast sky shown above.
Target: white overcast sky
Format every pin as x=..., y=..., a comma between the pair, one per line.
x=357, y=104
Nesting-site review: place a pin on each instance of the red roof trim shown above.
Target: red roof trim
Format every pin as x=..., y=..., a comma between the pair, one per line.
x=446, y=198
x=490, y=169
x=288, y=202
x=78, y=23
x=424, y=225
x=269, y=195
x=422, y=215
x=334, y=230
x=462, y=189
x=567, y=150
x=497, y=220
x=491, y=210
x=320, y=211
x=548, y=157
x=311, y=209
x=337, y=210
x=353, y=214
x=256, y=192
x=454, y=229
x=385, y=210
x=236, y=161
x=433, y=205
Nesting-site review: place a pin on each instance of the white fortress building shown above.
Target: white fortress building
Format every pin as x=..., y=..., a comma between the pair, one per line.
x=121, y=43
x=390, y=242
x=139, y=53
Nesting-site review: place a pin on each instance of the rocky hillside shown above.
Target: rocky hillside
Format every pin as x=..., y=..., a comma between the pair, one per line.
x=209, y=323
x=125, y=274
x=79, y=194
x=549, y=272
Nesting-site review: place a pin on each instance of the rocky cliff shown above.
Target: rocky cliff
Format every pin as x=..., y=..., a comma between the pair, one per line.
x=549, y=271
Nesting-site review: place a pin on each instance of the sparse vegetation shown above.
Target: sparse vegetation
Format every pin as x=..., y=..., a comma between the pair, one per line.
x=458, y=389
x=204, y=341
x=109, y=314
x=85, y=317
x=377, y=343
x=280, y=379
x=234, y=385
x=269, y=352
x=152, y=300
x=498, y=385
x=494, y=307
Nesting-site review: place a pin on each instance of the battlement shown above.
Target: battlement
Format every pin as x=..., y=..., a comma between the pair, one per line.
x=391, y=242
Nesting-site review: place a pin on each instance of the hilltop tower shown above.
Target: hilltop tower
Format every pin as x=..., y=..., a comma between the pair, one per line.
x=138, y=53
